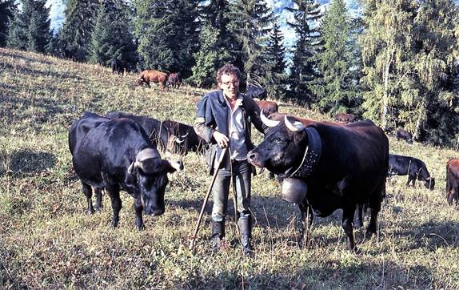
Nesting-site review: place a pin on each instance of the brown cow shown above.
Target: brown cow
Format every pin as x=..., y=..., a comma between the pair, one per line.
x=154, y=76
x=267, y=107
x=345, y=118
x=452, y=181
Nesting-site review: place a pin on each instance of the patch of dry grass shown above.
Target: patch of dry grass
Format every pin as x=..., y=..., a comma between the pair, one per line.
x=48, y=241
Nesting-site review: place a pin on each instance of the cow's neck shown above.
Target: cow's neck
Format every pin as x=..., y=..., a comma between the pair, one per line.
x=311, y=156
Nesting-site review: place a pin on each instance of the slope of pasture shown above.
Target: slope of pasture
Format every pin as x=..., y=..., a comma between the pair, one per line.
x=48, y=241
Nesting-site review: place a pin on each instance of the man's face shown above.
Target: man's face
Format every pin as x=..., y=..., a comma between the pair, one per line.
x=229, y=83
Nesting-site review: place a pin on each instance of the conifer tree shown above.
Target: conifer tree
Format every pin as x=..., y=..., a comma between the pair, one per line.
x=75, y=35
x=30, y=28
x=167, y=32
x=336, y=89
x=275, y=54
x=249, y=22
x=111, y=38
x=7, y=9
x=303, y=70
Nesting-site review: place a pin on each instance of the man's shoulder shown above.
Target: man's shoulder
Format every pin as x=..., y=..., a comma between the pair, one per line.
x=213, y=94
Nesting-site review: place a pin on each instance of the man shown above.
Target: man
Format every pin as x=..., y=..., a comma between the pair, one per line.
x=223, y=119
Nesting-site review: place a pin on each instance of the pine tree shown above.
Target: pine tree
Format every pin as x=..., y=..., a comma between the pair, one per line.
x=275, y=54
x=303, y=70
x=75, y=35
x=111, y=38
x=168, y=34
x=7, y=10
x=336, y=89
x=250, y=21
x=30, y=28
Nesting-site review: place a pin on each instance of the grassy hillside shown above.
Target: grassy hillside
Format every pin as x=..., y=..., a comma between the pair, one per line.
x=48, y=241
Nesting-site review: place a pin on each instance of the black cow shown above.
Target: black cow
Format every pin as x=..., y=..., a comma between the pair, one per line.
x=452, y=181
x=77, y=134
x=337, y=166
x=404, y=135
x=182, y=138
x=119, y=66
x=156, y=131
x=117, y=154
x=413, y=167
x=256, y=91
x=173, y=80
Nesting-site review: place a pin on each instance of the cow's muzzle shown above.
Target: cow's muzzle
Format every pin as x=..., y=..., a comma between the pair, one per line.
x=254, y=158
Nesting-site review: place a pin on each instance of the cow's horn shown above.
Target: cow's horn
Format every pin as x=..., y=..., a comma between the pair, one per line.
x=146, y=154
x=268, y=122
x=130, y=168
x=178, y=141
x=295, y=127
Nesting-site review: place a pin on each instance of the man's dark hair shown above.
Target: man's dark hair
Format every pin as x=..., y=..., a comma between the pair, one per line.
x=228, y=69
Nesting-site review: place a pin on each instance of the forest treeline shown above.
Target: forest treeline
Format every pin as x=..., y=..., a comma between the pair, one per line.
x=395, y=63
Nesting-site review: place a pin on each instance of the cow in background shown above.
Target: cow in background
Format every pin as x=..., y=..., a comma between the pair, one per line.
x=256, y=91
x=268, y=107
x=119, y=66
x=345, y=118
x=155, y=130
x=117, y=154
x=182, y=138
x=173, y=80
x=404, y=135
x=452, y=181
x=152, y=76
x=413, y=167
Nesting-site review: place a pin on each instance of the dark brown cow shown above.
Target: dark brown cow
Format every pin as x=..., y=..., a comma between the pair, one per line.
x=404, y=135
x=268, y=107
x=329, y=167
x=345, y=118
x=173, y=80
x=153, y=76
x=452, y=181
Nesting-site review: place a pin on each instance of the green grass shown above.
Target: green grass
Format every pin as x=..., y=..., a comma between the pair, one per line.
x=49, y=242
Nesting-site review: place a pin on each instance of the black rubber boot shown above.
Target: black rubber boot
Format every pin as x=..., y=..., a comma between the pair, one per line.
x=245, y=226
x=218, y=232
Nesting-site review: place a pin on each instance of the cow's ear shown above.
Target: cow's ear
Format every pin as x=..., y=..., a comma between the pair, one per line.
x=300, y=136
x=175, y=166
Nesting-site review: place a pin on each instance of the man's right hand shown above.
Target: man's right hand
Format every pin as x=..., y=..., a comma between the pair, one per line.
x=221, y=139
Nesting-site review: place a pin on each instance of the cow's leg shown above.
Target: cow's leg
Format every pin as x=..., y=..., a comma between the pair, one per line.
x=98, y=193
x=359, y=220
x=305, y=223
x=347, y=224
x=138, y=214
x=87, y=190
x=114, y=192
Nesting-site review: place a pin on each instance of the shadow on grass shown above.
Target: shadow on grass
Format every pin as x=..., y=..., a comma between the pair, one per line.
x=24, y=162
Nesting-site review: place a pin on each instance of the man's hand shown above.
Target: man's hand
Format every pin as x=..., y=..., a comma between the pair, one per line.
x=221, y=139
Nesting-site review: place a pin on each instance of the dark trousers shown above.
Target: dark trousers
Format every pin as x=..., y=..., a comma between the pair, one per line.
x=240, y=172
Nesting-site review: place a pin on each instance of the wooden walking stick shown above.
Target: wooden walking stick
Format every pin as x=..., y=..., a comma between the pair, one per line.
x=220, y=160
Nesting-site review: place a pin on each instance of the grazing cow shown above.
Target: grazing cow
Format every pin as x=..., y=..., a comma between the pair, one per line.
x=119, y=66
x=404, y=135
x=256, y=91
x=267, y=107
x=173, y=80
x=345, y=118
x=76, y=134
x=182, y=138
x=156, y=131
x=154, y=76
x=327, y=167
x=117, y=154
x=452, y=181
x=413, y=167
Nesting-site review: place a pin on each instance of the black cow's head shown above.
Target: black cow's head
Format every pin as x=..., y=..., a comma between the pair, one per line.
x=283, y=147
x=429, y=183
x=148, y=175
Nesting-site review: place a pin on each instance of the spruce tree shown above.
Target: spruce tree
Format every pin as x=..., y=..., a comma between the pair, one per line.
x=303, y=70
x=75, y=35
x=336, y=89
x=30, y=28
x=7, y=10
x=111, y=38
x=275, y=54
x=249, y=22
x=168, y=34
